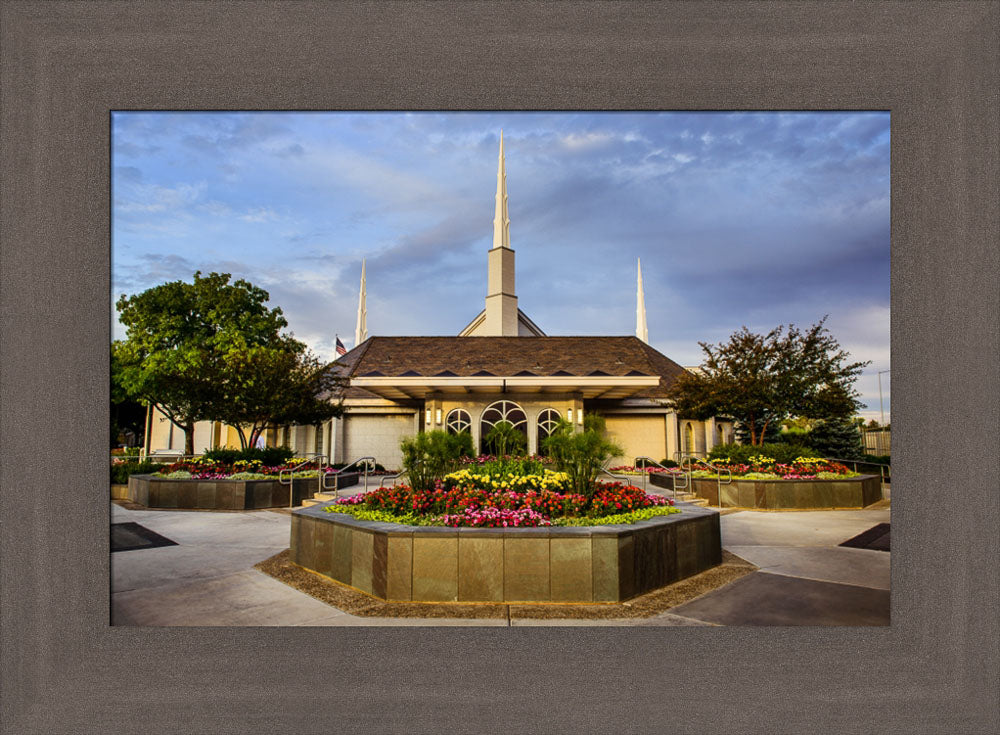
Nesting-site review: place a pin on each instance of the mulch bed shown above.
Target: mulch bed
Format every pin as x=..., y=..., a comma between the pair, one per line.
x=132, y=536
x=876, y=538
x=355, y=602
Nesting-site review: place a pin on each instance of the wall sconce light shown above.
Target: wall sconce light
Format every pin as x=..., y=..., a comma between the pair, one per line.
x=437, y=416
x=569, y=415
x=579, y=415
x=427, y=416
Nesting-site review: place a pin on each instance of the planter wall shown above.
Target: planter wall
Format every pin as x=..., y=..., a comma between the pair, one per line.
x=158, y=492
x=854, y=492
x=554, y=564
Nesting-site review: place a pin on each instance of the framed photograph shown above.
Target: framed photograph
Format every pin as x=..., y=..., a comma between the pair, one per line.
x=75, y=75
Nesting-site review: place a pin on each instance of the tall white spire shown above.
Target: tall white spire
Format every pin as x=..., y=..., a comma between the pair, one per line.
x=501, y=221
x=640, y=307
x=361, y=331
x=501, y=299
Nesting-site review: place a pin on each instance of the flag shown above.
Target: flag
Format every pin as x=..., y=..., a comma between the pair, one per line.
x=341, y=350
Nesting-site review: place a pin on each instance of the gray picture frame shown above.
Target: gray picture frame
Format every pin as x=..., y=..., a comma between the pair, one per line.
x=66, y=65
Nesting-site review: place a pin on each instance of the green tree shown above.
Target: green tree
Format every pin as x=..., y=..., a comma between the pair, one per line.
x=761, y=380
x=837, y=438
x=581, y=454
x=272, y=385
x=128, y=416
x=200, y=351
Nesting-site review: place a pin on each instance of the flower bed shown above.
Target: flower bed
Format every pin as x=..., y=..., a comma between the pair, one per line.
x=463, y=500
x=774, y=492
x=766, y=468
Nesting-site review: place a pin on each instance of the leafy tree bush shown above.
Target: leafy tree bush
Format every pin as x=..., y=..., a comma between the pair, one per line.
x=581, y=454
x=762, y=380
x=837, y=438
x=213, y=350
x=503, y=440
x=430, y=455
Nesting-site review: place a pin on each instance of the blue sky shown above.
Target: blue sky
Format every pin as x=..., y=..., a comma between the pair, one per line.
x=753, y=219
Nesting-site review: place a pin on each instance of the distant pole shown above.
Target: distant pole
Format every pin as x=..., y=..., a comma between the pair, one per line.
x=881, y=409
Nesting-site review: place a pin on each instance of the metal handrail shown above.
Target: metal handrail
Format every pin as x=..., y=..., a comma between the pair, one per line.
x=621, y=478
x=645, y=475
x=336, y=474
x=317, y=457
x=692, y=460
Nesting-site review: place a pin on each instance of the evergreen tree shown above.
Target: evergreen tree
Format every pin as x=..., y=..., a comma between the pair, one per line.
x=837, y=438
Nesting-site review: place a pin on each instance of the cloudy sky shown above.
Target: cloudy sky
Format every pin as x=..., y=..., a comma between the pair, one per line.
x=753, y=219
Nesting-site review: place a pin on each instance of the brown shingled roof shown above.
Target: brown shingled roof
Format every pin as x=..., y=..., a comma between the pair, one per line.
x=544, y=356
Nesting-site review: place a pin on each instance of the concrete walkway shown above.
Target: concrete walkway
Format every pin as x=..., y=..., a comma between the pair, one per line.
x=208, y=577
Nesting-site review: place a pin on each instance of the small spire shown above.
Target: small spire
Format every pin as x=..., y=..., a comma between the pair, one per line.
x=361, y=332
x=501, y=220
x=641, y=330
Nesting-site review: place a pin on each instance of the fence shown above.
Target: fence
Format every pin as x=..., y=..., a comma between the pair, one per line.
x=877, y=441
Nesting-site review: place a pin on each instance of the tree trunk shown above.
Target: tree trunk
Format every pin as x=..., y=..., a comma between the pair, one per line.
x=243, y=437
x=763, y=432
x=189, y=437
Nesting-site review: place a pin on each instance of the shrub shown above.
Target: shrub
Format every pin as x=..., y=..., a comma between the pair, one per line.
x=120, y=472
x=430, y=455
x=176, y=475
x=267, y=456
x=668, y=463
x=250, y=476
x=581, y=454
x=741, y=453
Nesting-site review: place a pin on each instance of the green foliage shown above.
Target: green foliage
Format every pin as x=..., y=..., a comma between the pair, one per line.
x=267, y=456
x=504, y=440
x=120, y=472
x=250, y=476
x=581, y=454
x=430, y=455
x=382, y=516
x=668, y=463
x=500, y=466
x=837, y=438
x=741, y=453
x=762, y=380
x=176, y=475
x=622, y=518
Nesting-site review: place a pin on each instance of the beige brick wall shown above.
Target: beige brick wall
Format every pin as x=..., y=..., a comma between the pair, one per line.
x=639, y=435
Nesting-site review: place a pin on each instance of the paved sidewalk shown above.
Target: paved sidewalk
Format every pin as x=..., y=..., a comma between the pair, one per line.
x=208, y=577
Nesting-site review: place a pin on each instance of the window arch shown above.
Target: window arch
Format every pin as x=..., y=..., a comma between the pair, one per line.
x=721, y=433
x=501, y=411
x=548, y=419
x=689, y=438
x=458, y=421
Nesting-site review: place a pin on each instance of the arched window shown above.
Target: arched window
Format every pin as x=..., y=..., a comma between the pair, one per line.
x=689, y=438
x=458, y=421
x=721, y=433
x=548, y=419
x=501, y=411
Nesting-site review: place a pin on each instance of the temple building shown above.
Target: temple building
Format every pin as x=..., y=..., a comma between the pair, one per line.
x=500, y=367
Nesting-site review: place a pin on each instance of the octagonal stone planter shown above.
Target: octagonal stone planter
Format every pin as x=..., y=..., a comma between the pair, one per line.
x=160, y=492
x=853, y=492
x=548, y=564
